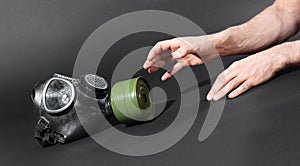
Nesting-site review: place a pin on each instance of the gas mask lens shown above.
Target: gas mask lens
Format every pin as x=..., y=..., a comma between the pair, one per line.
x=58, y=95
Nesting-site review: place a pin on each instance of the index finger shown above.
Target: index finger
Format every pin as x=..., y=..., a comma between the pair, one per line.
x=159, y=47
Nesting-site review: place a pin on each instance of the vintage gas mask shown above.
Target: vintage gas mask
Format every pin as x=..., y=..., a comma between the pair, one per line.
x=59, y=100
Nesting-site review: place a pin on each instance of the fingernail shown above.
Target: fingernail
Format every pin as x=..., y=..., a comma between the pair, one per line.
x=164, y=77
x=176, y=54
x=230, y=95
x=149, y=70
x=208, y=97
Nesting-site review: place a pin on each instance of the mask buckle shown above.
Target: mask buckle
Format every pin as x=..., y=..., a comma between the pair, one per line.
x=43, y=122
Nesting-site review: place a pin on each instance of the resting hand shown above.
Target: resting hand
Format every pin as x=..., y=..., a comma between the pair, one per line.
x=249, y=72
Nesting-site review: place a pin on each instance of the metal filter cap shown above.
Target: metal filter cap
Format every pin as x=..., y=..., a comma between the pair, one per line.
x=94, y=86
x=131, y=101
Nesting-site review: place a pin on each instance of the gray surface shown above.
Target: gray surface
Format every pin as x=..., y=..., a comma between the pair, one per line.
x=40, y=37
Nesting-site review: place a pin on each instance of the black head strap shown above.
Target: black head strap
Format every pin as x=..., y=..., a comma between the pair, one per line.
x=44, y=135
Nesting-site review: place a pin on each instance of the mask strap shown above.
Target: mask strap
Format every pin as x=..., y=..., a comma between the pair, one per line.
x=44, y=135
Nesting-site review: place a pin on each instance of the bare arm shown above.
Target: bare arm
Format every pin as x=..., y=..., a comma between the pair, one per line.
x=254, y=70
x=272, y=26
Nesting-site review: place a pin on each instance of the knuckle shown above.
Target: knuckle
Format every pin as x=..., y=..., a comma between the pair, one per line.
x=245, y=86
x=231, y=70
x=234, y=64
x=227, y=88
x=231, y=84
x=227, y=77
x=220, y=77
x=187, y=62
x=236, y=91
x=175, y=40
x=183, y=51
x=226, y=72
x=158, y=45
x=253, y=83
x=180, y=39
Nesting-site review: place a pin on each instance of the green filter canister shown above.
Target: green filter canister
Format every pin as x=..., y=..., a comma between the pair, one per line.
x=131, y=101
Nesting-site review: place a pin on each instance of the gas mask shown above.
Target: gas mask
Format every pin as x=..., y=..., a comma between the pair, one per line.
x=59, y=100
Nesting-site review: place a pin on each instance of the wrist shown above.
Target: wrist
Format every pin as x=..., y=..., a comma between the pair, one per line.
x=292, y=56
x=226, y=41
x=217, y=40
x=284, y=55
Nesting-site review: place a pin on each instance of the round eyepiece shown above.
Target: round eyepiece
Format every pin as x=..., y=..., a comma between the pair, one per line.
x=58, y=95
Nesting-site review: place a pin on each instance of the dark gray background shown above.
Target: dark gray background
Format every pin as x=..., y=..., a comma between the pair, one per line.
x=40, y=37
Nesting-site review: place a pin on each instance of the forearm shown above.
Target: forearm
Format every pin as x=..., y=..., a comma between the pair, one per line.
x=274, y=25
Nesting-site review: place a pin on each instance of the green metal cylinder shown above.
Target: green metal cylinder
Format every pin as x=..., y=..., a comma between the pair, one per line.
x=131, y=101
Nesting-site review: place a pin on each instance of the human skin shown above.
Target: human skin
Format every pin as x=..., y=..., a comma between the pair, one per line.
x=271, y=27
